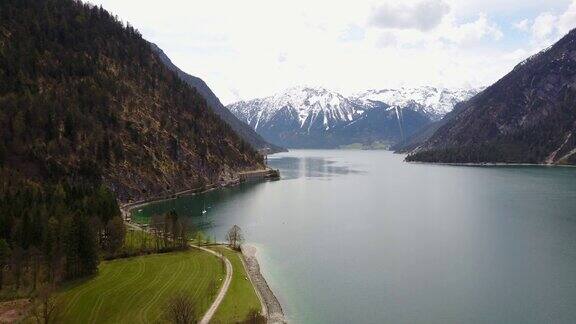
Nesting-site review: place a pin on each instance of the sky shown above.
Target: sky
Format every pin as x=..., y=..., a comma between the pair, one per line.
x=255, y=48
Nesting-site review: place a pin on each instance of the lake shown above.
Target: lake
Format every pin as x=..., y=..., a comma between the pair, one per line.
x=362, y=237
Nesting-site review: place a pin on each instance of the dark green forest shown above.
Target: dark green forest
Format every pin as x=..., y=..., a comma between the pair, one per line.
x=55, y=232
x=90, y=117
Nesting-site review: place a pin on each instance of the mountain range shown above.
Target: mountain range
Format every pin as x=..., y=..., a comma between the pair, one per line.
x=315, y=117
x=528, y=116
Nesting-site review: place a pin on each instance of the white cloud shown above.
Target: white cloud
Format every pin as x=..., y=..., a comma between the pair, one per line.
x=548, y=27
x=544, y=27
x=522, y=25
x=473, y=31
x=567, y=21
x=252, y=48
x=423, y=15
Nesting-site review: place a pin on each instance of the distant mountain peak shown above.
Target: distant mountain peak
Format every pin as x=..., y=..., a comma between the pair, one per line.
x=435, y=102
x=303, y=111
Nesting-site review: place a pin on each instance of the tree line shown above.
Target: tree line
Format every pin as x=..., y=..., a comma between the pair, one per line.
x=54, y=232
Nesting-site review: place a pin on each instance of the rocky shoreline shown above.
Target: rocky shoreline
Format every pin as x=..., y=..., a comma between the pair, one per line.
x=272, y=308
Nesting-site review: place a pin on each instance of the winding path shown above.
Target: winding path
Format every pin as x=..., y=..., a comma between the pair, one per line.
x=225, y=285
x=222, y=293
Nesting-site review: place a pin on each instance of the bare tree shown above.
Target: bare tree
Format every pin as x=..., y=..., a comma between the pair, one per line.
x=180, y=309
x=183, y=235
x=17, y=265
x=235, y=237
x=35, y=262
x=4, y=259
x=46, y=308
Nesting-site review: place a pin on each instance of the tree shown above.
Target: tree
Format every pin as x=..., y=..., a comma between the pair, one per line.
x=174, y=225
x=183, y=235
x=235, y=237
x=199, y=237
x=46, y=308
x=180, y=309
x=116, y=231
x=35, y=263
x=4, y=257
x=81, y=248
x=17, y=264
x=52, y=250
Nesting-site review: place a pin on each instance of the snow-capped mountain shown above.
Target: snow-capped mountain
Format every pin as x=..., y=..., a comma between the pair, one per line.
x=303, y=106
x=433, y=102
x=317, y=117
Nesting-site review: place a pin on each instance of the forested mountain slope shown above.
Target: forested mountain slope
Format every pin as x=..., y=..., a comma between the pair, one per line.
x=242, y=129
x=528, y=116
x=84, y=97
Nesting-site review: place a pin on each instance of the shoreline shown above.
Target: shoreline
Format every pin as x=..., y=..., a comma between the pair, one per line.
x=245, y=176
x=495, y=164
x=271, y=307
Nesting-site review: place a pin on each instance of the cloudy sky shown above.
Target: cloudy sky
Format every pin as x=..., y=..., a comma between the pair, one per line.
x=253, y=48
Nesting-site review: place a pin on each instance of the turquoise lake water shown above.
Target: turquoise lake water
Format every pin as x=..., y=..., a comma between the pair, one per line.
x=362, y=237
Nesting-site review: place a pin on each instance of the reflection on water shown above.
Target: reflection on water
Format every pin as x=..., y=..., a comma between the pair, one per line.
x=309, y=167
x=193, y=207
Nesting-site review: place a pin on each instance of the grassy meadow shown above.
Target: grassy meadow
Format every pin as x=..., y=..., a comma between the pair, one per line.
x=136, y=290
x=241, y=297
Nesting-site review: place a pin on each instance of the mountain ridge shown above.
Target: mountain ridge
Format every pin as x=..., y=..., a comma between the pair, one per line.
x=527, y=116
x=317, y=117
x=243, y=130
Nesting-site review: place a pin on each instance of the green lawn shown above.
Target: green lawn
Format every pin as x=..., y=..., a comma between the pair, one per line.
x=241, y=297
x=135, y=290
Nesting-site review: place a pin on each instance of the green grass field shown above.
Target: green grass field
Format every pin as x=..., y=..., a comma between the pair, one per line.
x=135, y=290
x=241, y=297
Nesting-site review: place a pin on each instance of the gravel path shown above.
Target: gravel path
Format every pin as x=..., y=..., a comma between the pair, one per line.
x=222, y=293
x=271, y=303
